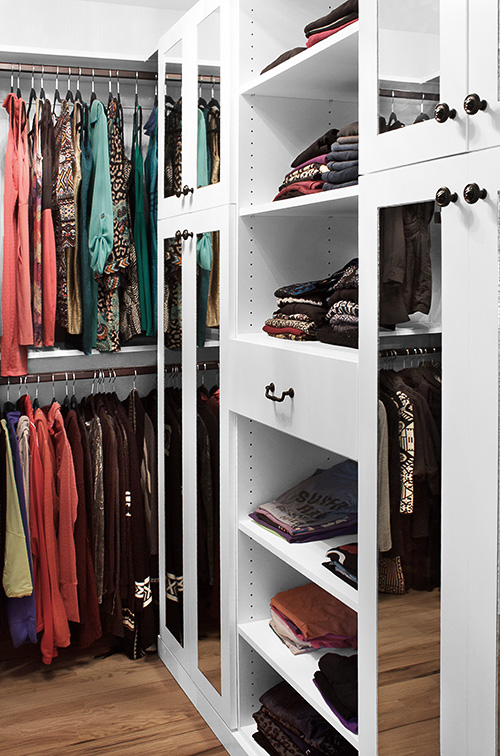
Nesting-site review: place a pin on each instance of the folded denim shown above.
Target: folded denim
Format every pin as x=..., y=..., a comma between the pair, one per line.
x=327, y=186
x=341, y=177
x=341, y=165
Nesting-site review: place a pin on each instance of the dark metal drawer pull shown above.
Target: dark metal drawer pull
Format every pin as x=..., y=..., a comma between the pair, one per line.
x=271, y=389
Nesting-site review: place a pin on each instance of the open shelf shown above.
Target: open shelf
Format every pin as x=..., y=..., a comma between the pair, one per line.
x=298, y=670
x=306, y=558
x=310, y=348
x=338, y=202
x=328, y=69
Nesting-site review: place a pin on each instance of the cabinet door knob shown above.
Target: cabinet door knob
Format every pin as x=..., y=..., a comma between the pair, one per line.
x=187, y=190
x=472, y=193
x=183, y=234
x=443, y=111
x=178, y=193
x=444, y=196
x=473, y=103
x=270, y=393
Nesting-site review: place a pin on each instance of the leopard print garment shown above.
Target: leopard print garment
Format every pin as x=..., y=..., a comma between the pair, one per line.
x=173, y=150
x=173, y=294
x=64, y=216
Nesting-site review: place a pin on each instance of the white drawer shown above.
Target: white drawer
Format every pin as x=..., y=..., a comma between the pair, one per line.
x=324, y=378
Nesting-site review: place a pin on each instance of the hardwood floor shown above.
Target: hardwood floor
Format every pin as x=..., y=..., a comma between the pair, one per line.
x=409, y=650
x=86, y=706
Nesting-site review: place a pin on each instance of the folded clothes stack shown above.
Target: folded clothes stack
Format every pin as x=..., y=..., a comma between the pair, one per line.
x=343, y=562
x=289, y=726
x=337, y=681
x=342, y=161
x=320, y=29
x=307, y=618
x=322, y=506
x=305, y=310
x=342, y=317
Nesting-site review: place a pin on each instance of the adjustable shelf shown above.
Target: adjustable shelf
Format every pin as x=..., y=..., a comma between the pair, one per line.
x=306, y=558
x=297, y=670
x=328, y=69
x=335, y=203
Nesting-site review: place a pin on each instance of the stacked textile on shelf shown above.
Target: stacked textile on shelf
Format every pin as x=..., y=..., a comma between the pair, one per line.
x=330, y=162
x=342, y=161
x=337, y=681
x=78, y=522
x=307, y=618
x=322, y=506
x=289, y=726
x=343, y=562
x=316, y=31
x=325, y=310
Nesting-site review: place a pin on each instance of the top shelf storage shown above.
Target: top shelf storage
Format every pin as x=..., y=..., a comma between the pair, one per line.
x=329, y=70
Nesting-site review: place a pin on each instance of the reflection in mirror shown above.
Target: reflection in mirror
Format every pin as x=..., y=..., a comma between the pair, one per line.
x=172, y=317
x=408, y=62
x=208, y=452
x=209, y=51
x=172, y=184
x=409, y=481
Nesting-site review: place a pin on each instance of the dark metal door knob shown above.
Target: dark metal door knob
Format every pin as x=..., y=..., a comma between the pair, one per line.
x=472, y=193
x=443, y=111
x=270, y=393
x=473, y=103
x=444, y=196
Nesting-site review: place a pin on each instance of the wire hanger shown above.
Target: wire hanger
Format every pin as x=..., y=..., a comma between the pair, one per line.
x=118, y=99
x=73, y=403
x=136, y=90
x=202, y=103
x=168, y=99
x=42, y=90
x=110, y=93
x=57, y=94
x=78, y=94
x=69, y=94
x=12, y=78
x=214, y=103
x=134, y=385
x=421, y=116
x=32, y=97
x=93, y=95
x=36, y=403
x=19, y=93
x=155, y=104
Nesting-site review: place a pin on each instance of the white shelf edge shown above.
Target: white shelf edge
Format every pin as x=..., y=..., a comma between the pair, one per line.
x=273, y=651
x=310, y=200
x=315, y=348
x=253, y=86
x=244, y=738
x=38, y=354
x=295, y=555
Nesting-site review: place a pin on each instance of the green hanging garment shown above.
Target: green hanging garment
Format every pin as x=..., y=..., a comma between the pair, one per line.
x=140, y=233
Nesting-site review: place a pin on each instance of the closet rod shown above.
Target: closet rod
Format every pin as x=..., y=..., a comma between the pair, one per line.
x=211, y=365
x=103, y=73
x=405, y=95
x=409, y=352
x=78, y=374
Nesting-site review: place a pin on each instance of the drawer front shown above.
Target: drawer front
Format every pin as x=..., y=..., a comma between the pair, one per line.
x=323, y=410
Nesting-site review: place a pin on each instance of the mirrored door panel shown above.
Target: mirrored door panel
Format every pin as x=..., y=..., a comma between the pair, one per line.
x=409, y=479
x=173, y=131
x=173, y=439
x=408, y=62
x=208, y=457
x=209, y=107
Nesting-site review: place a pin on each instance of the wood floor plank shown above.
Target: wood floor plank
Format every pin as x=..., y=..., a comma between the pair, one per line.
x=86, y=706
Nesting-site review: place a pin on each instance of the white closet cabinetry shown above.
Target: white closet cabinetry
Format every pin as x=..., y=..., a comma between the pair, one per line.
x=198, y=45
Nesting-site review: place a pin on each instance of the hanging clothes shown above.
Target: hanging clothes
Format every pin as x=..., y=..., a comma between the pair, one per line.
x=88, y=282
x=213, y=302
x=172, y=182
x=151, y=177
x=139, y=219
x=36, y=212
x=172, y=297
x=49, y=264
x=17, y=328
x=213, y=142
x=204, y=258
x=72, y=251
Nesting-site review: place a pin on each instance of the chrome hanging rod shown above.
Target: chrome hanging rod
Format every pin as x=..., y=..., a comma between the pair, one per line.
x=409, y=352
x=79, y=375
x=407, y=95
x=103, y=73
x=210, y=365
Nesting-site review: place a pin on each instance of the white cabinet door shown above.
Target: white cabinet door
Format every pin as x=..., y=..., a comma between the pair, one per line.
x=413, y=56
x=484, y=80
x=477, y=419
x=195, y=77
x=452, y=295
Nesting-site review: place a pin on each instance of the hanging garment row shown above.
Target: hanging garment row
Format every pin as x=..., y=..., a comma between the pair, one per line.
x=78, y=521
x=79, y=261
x=409, y=497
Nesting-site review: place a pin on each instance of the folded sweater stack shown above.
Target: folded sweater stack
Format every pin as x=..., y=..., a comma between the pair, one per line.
x=343, y=562
x=289, y=726
x=320, y=29
x=307, y=618
x=342, y=316
x=322, y=506
x=337, y=681
x=342, y=162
